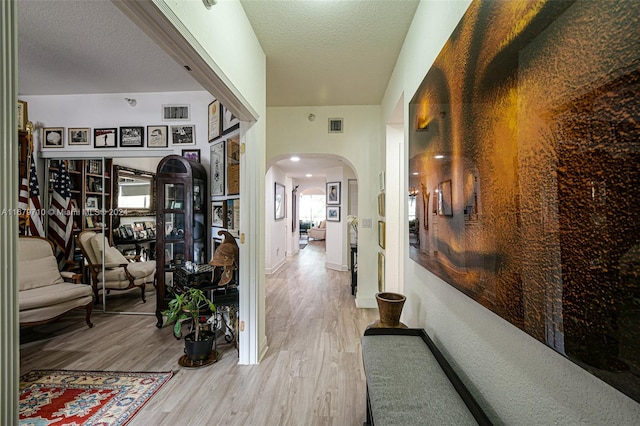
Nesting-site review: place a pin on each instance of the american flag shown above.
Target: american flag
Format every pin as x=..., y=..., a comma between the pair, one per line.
x=60, y=218
x=31, y=205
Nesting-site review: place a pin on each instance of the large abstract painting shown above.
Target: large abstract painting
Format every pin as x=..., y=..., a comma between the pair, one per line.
x=525, y=136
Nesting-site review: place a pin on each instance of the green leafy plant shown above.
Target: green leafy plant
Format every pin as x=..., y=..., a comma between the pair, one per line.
x=187, y=305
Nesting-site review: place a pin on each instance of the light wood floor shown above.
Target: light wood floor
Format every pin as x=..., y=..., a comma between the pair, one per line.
x=311, y=375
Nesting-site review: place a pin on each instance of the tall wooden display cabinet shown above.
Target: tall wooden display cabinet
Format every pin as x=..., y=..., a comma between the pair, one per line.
x=181, y=222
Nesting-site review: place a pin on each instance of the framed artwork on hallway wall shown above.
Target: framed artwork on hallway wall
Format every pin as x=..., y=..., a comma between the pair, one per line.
x=279, y=202
x=333, y=214
x=333, y=193
x=217, y=161
x=214, y=120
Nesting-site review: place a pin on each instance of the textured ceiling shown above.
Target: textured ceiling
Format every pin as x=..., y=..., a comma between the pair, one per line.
x=329, y=52
x=319, y=52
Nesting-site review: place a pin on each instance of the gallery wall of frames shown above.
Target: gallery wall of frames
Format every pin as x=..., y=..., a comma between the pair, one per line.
x=524, y=160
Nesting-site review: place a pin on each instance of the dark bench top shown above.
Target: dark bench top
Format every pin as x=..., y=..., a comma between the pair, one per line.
x=408, y=385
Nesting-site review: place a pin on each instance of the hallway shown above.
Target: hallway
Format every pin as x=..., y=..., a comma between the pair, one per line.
x=311, y=374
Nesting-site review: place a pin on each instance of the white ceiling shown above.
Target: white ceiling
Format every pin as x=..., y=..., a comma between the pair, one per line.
x=319, y=52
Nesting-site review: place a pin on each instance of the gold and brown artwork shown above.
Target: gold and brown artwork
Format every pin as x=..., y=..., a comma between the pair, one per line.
x=526, y=131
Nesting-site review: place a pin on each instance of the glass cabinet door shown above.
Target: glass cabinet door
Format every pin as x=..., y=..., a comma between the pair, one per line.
x=173, y=196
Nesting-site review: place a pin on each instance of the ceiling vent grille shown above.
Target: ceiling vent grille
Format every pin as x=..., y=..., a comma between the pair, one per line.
x=335, y=125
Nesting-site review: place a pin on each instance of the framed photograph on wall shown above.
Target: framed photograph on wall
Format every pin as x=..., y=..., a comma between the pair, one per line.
x=105, y=138
x=333, y=193
x=22, y=116
x=78, y=136
x=382, y=234
x=191, y=154
x=214, y=121
x=217, y=161
x=183, y=135
x=333, y=214
x=233, y=165
x=157, y=136
x=176, y=113
x=132, y=136
x=218, y=214
x=53, y=137
x=380, y=271
x=279, y=202
x=229, y=121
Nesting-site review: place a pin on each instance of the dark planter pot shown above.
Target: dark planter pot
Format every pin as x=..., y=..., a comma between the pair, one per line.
x=199, y=350
x=390, y=308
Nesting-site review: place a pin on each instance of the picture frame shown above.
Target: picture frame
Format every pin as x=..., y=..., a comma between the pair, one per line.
x=176, y=112
x=333, y=193
x=229, y=121
x=382, y=234
x=279, y=201
x=232, y=165
x=444, y=199
x=217, y=168
x=157, y=136
x=218, y=214
x=105, y=138
x=214, y=129
x=53, y=137
x=91, y=203
x=233, y=216
x=380, y=271
x=333, y=214
x=381, y=204
x=23, y=117
x=131, y=136
x=78, y=136
x=191, y=154
x=183, y=135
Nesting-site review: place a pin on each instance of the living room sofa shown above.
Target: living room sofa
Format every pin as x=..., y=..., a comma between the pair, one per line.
x=43, y=294
x=318, y=233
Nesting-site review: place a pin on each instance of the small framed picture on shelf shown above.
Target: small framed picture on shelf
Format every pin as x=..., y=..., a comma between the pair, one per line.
x=183, y=135
x=79, y=136
x=191, y=154
x=91, y=203
x=132, y=136
x=333, y=213
x=53, y=137
x=105, y=138
x=157, y=136
x=90, y=223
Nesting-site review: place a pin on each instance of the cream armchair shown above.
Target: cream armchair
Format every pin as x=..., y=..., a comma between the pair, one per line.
x=318, y=233
x=43, y=294
x=119, y=274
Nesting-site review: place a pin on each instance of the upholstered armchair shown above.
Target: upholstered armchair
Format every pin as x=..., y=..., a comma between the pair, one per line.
x=119, y=273
x=43, y=294
x=319, y=232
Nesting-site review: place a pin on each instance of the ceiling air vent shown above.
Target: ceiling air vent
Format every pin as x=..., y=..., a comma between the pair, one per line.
x=335, y=125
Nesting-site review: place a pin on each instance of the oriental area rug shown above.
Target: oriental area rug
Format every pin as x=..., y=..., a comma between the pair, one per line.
x=66, y=397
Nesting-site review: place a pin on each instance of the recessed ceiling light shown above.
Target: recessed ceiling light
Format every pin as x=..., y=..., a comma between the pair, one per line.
x=294, y=158
x=439, y=156
x=308, y=175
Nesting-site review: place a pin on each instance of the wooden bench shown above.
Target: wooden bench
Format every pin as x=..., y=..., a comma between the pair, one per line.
x=409, y=382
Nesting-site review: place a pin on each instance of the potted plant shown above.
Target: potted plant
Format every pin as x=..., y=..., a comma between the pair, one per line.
x=187, y=306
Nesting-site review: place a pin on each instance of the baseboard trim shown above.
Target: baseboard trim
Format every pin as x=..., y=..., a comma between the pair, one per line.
x=336, y=267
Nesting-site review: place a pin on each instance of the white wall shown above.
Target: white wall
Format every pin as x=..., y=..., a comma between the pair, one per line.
x=289, y=131
x=276, y=231
x=517, y=379
x=225, y=34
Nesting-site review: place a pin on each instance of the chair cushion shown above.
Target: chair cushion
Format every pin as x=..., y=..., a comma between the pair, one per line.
x=322, y=225
x=52, y=295
x=96, y=243
x=137, y=270
x=36, y=273
x=113, y=257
